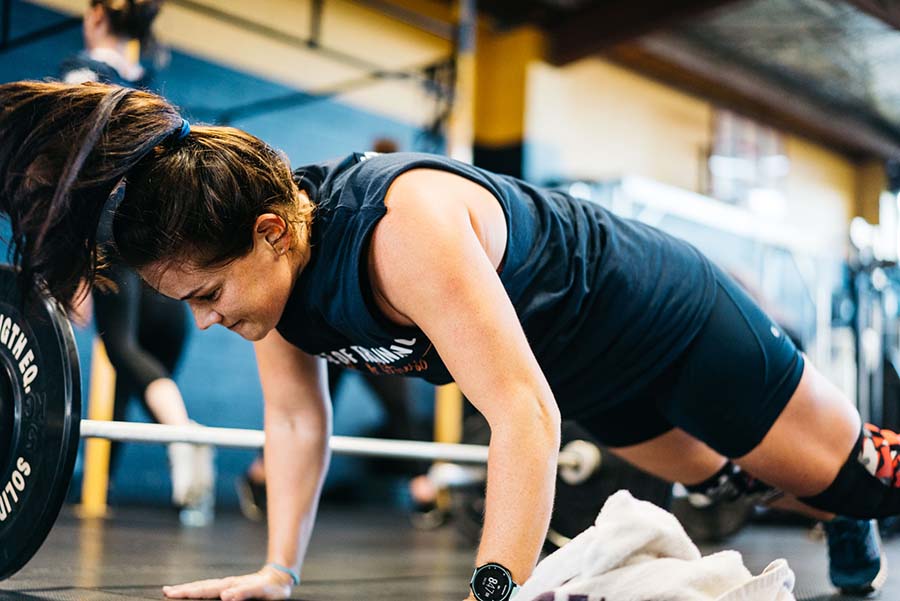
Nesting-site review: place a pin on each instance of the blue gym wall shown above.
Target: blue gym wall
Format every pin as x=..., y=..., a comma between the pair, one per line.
x=218, y=373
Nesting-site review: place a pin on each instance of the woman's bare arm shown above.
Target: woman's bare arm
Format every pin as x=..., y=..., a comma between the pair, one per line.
x=428, y=263
x=297, y=425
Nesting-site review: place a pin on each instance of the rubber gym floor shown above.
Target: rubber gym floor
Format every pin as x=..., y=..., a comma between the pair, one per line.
x=356, y=555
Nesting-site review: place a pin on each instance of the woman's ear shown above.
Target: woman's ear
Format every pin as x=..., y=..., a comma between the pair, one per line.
x=95, y=19
x=272, y=230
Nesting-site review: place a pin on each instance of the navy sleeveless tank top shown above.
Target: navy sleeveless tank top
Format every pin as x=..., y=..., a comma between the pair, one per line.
x=85, y=68
x=606, y=303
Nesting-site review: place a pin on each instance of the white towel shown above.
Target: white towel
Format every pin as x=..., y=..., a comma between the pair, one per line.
x=636, y=551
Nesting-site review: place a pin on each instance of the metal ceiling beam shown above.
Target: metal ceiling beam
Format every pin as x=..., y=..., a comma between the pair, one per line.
x=436, y=27
x=784, y=105
x=606, y=24
x=310, y=43
x=887, y=11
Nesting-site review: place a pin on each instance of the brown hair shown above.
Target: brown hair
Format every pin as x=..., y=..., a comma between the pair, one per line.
x=64, y=150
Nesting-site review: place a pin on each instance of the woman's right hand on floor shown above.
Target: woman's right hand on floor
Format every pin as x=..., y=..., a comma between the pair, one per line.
x=268, y=583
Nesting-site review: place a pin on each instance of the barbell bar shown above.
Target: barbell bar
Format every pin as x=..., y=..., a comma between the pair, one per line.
x=343, y=445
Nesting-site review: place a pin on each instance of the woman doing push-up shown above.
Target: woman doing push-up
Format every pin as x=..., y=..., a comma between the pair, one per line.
x=539, y=305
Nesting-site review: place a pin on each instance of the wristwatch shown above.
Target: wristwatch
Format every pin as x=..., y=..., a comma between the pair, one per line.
x=492, y=582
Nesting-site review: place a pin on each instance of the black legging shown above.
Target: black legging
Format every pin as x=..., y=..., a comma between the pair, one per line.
x=144, y=334
x=394, y=395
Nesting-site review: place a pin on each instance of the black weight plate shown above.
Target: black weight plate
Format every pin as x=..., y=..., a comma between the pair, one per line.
x=39, y=365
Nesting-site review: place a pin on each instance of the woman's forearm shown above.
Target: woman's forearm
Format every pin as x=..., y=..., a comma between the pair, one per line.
x=296, y=461
x=522, y=467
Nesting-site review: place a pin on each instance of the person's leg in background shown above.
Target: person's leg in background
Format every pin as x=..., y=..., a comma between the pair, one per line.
x=116, y=314
x=118, y=317
x=147, y=374
x=163, y=332
x=394, y=394
x=251, y=490
x=163, y=327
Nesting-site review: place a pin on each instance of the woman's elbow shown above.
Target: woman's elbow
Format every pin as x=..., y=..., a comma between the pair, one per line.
x=553, y=422
x=540, y=418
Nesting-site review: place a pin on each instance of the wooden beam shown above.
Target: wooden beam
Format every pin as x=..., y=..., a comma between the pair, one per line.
x=609, y=23
x=701, y=72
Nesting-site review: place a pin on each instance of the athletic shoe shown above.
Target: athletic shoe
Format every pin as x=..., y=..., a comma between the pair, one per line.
x=856, y=563
x=251, y=497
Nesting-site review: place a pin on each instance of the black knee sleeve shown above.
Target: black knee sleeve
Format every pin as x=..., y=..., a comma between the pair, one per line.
x=868, y=485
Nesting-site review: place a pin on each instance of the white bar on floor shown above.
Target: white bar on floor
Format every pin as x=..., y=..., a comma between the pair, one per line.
x=254, y=439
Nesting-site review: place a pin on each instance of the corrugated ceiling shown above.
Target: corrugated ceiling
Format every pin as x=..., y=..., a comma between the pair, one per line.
x=834, y=51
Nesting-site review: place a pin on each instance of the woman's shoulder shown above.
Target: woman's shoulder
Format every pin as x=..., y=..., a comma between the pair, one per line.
x=360, y=181
x=348, y=181
x=375, y=173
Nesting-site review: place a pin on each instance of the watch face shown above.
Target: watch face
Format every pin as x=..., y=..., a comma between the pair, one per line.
x=492, y=583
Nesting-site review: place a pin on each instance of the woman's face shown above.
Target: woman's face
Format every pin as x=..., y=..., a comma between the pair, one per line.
x=247, y=295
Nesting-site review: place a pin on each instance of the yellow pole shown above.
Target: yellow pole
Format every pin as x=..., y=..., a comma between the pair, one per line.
x=133, y=50
x=448, y=414
x=96, y=452
x=448, y=419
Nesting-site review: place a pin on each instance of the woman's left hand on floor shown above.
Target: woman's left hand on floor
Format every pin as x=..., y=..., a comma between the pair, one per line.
x=267, y=583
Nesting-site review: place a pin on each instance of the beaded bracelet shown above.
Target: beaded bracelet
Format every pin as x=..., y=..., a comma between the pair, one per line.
x=295, y=576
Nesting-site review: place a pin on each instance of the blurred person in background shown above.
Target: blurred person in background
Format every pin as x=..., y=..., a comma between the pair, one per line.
x=144, y=332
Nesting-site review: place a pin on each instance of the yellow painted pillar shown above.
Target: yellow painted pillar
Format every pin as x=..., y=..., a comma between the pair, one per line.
x=448, y=420
x=871, y=181
x=133, y=50
x=96, y=452
x=501, y=96
x=448, y=414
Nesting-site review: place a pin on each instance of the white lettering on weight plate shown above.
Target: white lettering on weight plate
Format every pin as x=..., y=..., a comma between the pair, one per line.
x=9, y=494
x=13, y=338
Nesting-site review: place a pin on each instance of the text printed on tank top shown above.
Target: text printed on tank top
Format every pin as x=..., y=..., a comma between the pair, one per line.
x=401, y=356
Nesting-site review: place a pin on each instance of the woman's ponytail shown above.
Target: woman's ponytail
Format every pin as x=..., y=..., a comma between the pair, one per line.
x=64, y=150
